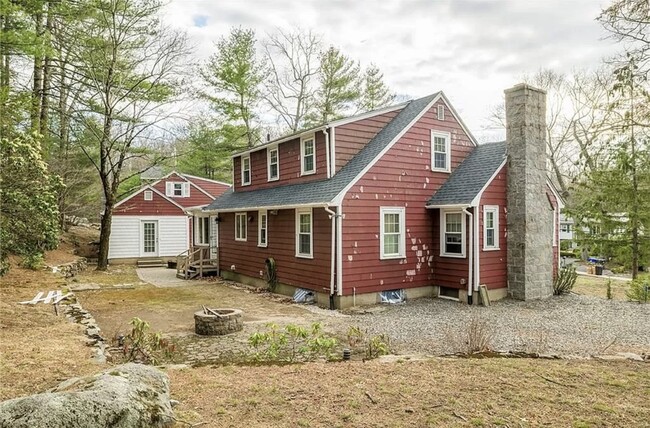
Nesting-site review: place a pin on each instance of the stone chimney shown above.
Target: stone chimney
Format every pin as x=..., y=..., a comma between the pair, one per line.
x=530, y=227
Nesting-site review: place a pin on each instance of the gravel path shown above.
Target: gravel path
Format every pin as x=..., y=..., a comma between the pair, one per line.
x=566, y=325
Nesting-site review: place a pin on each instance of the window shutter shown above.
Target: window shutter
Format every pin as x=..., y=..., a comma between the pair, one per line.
x=169, y=189
x=186, y=189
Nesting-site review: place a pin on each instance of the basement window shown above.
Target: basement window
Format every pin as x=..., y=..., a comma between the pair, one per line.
x=448, y=293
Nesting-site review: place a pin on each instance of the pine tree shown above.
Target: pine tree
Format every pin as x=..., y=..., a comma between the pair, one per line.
x=374, y=92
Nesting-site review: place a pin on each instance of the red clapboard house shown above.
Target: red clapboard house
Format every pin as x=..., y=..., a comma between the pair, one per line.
x=156, y=222
x=401, y=198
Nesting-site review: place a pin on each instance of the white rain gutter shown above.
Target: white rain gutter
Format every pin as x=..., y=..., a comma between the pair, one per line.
x=471, y=251
x=327, y=152
x=333, y=249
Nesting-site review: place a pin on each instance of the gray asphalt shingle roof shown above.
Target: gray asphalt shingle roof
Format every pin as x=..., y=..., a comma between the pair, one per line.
x=468, y=179
x=323, y=191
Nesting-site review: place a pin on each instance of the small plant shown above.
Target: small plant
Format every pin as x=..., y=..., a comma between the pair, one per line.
x=356, y=337
x=142, y=346
x=565, y=280
x=470, y=338
x=33, y=261
x=373, y=346
x=609, y=290
x=639, y=290
x=377, y=346
x=291, y=344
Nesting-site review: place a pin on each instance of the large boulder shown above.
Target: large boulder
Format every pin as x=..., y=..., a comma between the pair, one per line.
x=126, y=396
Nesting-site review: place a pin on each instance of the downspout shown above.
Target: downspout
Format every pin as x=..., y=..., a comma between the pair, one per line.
x=477, y=253
x=471, y=259
x=327, y=153
x=339, y=249
x=332, y=215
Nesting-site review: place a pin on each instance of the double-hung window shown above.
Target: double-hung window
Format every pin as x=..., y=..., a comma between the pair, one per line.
x=440, y=151
x=304, y=233
x=240, y=227
x=273, y=163
x=179, y=189
x=490, y=227
x=262, y=229
x=392, y=237
x=245, y=171
x=453, y=234
x=307, y=155
x=202, y=233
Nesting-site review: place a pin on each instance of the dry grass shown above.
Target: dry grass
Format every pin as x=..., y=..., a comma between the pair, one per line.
x=37, y=348
x=440, y=392
x=115, y=275
x=591, y=286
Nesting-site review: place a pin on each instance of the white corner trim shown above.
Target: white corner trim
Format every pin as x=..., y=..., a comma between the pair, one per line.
x=338, y=199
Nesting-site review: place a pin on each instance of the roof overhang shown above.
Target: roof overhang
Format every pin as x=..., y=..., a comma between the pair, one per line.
x=448, y=206
x=267, y=208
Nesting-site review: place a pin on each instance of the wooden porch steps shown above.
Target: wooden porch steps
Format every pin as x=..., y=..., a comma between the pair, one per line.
x=196, y=262
x=151, y=263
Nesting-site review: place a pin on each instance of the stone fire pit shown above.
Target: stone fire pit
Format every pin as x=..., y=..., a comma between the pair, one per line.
x=227, y=321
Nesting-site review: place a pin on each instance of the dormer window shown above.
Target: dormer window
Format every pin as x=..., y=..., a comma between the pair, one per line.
x=177, y=189
x=273, y=163
x=307, y=155
x=440, y=151
x=246, y=171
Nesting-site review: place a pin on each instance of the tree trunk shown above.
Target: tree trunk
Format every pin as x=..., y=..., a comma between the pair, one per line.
x=104, y=235
x=47, y=71
x=37, y=90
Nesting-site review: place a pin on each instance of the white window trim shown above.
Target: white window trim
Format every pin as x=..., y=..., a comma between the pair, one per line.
x=447, y=137
x=250, y=171
x=170, y=189
x=443, y=228
x=402, y=228
x=197, y=234
x=493, y=209
x=259, y=229
x=268, y=163
x=311, y=233
x=441, y=112
x=245, y=215
x=148, y=195
x=302, y=154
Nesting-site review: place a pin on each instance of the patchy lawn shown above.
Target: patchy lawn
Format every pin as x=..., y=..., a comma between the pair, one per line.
x=439, y=392
x=594, y=286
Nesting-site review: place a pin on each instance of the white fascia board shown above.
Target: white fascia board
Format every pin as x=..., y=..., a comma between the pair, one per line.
x=560, y=199
x=337, y=200
x=206, y=179
x=367, y=115
x=477, y=199
x=447, y=207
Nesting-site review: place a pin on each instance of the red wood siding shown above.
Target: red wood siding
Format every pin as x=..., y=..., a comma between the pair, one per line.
x=289, y=166
x=214, y=189
x=493, y=263
x=351, y=137
x=401, y=178
x=196, y=198
x=249, y=259
x=138, y=206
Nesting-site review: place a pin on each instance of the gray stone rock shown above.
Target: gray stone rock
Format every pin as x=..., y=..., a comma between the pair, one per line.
x=127, y=396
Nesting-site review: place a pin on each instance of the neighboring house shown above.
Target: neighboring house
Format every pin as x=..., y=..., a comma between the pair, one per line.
x=401, y=198
x=156, y=222
x=567, y=226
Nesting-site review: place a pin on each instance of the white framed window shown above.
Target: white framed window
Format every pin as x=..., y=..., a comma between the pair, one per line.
x=441, y=112
x=440, y=151
x=452, y=233
x=246, y=171
x=273, y=163
x=304, y=233
x=148, y=195
x=202, y=230
x=490, y=227
x=262, y=228
x=565, y=228
x=307, y=155
x=241, y=227
x=392, y=238
x=177, y=189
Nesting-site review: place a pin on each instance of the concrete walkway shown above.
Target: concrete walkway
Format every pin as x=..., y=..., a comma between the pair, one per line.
x=161, y=277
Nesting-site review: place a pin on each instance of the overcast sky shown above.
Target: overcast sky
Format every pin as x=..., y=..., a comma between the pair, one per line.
x=470, y=49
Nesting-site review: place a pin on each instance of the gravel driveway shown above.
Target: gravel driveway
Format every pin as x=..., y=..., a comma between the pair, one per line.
x=567, y=325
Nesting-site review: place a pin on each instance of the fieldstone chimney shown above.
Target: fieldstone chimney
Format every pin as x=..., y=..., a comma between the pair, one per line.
x=530, y=227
